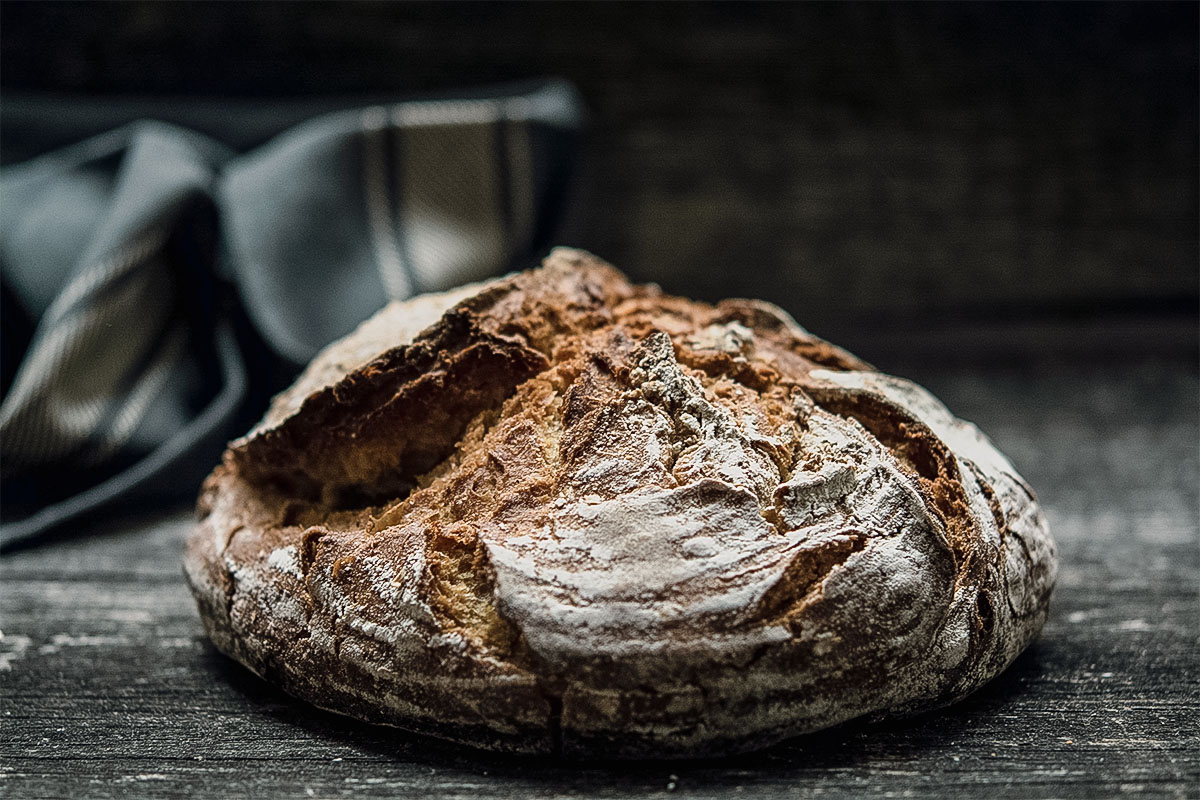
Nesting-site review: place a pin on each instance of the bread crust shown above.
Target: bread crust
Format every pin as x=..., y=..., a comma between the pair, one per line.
x=560, y=513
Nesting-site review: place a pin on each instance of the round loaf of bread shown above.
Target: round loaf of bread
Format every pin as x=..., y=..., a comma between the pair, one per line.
x=560, y=513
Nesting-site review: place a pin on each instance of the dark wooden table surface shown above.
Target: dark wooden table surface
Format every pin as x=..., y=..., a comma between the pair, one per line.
x=869, y=165
x=110, y=690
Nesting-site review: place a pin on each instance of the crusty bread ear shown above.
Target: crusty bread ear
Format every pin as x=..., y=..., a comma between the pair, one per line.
x=560, y=513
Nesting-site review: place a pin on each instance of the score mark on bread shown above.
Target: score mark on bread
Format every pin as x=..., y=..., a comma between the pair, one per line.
x=560, y=513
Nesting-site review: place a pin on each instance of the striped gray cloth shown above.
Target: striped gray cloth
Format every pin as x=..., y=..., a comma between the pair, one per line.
x=157, y=287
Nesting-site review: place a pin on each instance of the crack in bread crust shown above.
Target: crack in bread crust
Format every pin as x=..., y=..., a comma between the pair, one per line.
x=575, y=515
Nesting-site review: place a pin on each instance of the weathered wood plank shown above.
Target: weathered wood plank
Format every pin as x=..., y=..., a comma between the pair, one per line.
x=847, y=161
x=111, y=691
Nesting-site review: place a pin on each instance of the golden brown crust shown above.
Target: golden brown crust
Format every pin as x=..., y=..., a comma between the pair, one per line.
x=581, y=516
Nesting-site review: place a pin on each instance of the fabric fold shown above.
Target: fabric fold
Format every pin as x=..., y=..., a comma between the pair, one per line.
x=330, y=220
x=128, y=262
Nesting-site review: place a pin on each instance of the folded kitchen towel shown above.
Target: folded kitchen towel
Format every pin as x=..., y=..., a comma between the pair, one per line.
x=157, y=284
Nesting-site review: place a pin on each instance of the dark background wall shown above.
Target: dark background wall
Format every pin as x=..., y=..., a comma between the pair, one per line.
x=863, y=165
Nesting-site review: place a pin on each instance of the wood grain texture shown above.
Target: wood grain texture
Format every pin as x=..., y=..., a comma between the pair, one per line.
x=110, y=690
x=850, y=162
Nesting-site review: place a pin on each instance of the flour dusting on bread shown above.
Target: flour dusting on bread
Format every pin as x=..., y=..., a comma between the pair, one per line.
x=561, y=513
